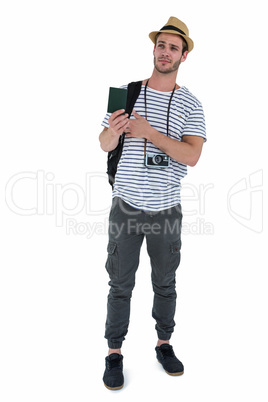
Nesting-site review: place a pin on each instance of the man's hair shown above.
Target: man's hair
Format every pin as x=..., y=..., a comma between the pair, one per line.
x=184, y=43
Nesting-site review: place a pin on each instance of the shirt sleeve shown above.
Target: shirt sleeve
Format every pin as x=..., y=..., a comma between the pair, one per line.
x=195, y=124
x=105, y=122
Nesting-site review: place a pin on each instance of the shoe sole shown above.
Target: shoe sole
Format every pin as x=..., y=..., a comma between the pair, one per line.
x=114, y=388
x=172, y=374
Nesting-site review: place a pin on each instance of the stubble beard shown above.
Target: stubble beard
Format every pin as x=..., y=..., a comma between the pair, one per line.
x=173, y=68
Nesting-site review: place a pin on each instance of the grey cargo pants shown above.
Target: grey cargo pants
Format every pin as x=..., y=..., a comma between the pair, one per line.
x=127, y=229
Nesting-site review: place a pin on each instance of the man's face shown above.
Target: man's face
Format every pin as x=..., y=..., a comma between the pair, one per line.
x=168, y=53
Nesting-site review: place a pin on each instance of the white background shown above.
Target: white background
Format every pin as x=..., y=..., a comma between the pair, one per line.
x=58, y=59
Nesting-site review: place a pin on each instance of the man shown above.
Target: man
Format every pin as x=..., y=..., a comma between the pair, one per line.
x=164, y=134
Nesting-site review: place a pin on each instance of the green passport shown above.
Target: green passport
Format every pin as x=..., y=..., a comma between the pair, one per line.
x=117, y=99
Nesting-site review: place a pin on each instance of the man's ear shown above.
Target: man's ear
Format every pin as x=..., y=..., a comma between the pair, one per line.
x=184, y=56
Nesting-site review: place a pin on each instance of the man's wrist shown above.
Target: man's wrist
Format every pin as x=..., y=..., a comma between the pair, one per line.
x=113, y=134
x=151, y=133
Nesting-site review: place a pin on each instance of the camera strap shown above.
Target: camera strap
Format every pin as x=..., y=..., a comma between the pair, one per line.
x=168, y=111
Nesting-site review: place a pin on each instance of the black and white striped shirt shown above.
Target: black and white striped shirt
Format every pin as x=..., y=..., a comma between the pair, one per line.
x=154, y=189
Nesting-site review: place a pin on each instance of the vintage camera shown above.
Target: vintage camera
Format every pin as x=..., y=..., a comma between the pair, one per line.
x=157, y=160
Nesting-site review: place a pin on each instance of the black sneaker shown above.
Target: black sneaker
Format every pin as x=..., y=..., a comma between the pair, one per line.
x=113, y=376
x=166, y=356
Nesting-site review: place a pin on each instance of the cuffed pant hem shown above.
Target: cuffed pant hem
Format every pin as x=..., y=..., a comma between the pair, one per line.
x=163, y=337
x=114, y=345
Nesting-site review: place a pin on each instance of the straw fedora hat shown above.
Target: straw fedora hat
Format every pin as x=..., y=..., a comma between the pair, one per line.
x=177, y=27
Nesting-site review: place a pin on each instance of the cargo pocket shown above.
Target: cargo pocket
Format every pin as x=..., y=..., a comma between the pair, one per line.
x=112, y=260
x=175, y=256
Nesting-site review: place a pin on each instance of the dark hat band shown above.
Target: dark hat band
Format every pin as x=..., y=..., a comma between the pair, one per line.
x=171, y=27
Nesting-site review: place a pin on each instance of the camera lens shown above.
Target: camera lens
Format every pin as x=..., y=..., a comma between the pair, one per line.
x=157, y=159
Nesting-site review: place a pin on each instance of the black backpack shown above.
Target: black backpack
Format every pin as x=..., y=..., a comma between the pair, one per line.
x=115, y=155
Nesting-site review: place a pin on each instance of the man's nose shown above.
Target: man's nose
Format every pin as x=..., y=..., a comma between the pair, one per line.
x=165, y=52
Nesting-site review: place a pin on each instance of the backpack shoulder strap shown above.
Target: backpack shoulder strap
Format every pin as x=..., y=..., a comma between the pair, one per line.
x=134, y=89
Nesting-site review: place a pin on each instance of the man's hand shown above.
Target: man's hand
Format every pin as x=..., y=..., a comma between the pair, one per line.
x=138, y=127
x=186, y=151
x=109, y=137
x=118, y=122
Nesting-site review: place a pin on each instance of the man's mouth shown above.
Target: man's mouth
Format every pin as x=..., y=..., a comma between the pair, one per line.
x=164, y=60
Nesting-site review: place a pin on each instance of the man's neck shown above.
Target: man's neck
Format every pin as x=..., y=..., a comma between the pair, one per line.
x=162, y=82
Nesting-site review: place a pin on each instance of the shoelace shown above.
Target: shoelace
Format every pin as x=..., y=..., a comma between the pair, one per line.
x=167, y=352
x=114, y=363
